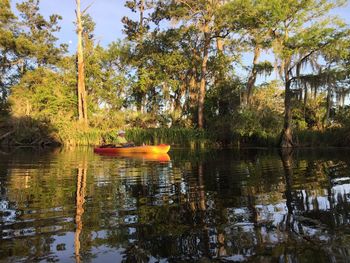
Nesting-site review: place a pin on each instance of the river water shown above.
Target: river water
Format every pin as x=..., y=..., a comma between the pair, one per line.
x=251, y=205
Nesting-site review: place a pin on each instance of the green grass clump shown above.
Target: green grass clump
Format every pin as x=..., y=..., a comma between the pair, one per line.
x=175, y=136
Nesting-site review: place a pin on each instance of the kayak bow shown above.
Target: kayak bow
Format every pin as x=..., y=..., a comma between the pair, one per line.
x=162, y=148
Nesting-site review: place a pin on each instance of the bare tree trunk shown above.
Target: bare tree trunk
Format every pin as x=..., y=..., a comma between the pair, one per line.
x=329, y=104
x=203, y=82
x=28, y=108
x=22, y=66
x=252, y=78
x=339, y=99
x=193, y=86
x=82, y=103
x=305, y=99
x=220, y=45
x=179, y=95
x=142, y=10
x=315, y=92
x=287, y=136
x=142, y=96
x=191, y=90
x=220, y=49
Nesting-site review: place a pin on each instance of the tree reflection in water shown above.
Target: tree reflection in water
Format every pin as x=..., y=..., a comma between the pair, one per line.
x=80, y=199
x=232, y=206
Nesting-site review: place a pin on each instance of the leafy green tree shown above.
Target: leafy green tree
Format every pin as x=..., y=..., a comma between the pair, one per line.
x=7, y=44
x=27, y=42
x=301, y=30
x=37, y=43
x=335, y=74
x=45, y=95
x=201, y=15
x=199, y=18
x=107, y=83
x=136, y=32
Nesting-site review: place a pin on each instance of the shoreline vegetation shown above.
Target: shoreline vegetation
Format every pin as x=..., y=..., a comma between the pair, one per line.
x=27, y=132
x=184, y=84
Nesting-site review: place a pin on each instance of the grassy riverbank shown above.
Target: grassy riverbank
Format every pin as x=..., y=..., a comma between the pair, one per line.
x=29, y=132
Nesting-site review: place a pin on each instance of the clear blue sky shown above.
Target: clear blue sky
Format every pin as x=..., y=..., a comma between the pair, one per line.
x=107, y=14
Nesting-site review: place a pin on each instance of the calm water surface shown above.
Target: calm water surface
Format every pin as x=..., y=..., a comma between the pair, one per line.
x=219, y=206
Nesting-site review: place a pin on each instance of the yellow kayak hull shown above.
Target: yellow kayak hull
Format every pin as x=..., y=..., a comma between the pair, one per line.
x=155, y=149
x=150, y=157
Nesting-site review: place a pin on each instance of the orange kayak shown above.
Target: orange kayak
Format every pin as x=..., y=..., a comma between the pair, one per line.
x=150, y=157
x=162, y=148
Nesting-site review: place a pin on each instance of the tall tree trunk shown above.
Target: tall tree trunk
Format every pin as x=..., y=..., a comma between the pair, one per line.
x=220, y=45
x=140, y=100
x=142, y=10
x=220, y=78
x=191, y=91
x=315, y=92
x=28, y=108
x=305, y=99
x=82, y=103
x=287, y=136
x=220, y=53
x=179, y=95
x=193, y=86
x=203, y=82
x=252, y=77
x=329, y=104
x=338, y=98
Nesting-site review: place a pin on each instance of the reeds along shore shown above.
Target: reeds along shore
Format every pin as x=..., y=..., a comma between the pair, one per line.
x=29, y=132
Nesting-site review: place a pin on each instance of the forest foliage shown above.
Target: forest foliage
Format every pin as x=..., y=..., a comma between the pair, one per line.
x=182, y=65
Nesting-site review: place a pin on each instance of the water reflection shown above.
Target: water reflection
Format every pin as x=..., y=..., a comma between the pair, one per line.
x=80, y=199
x=73, y=205
x=155, y=157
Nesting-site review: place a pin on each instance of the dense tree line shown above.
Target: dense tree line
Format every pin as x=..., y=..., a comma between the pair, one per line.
x=180, y=65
